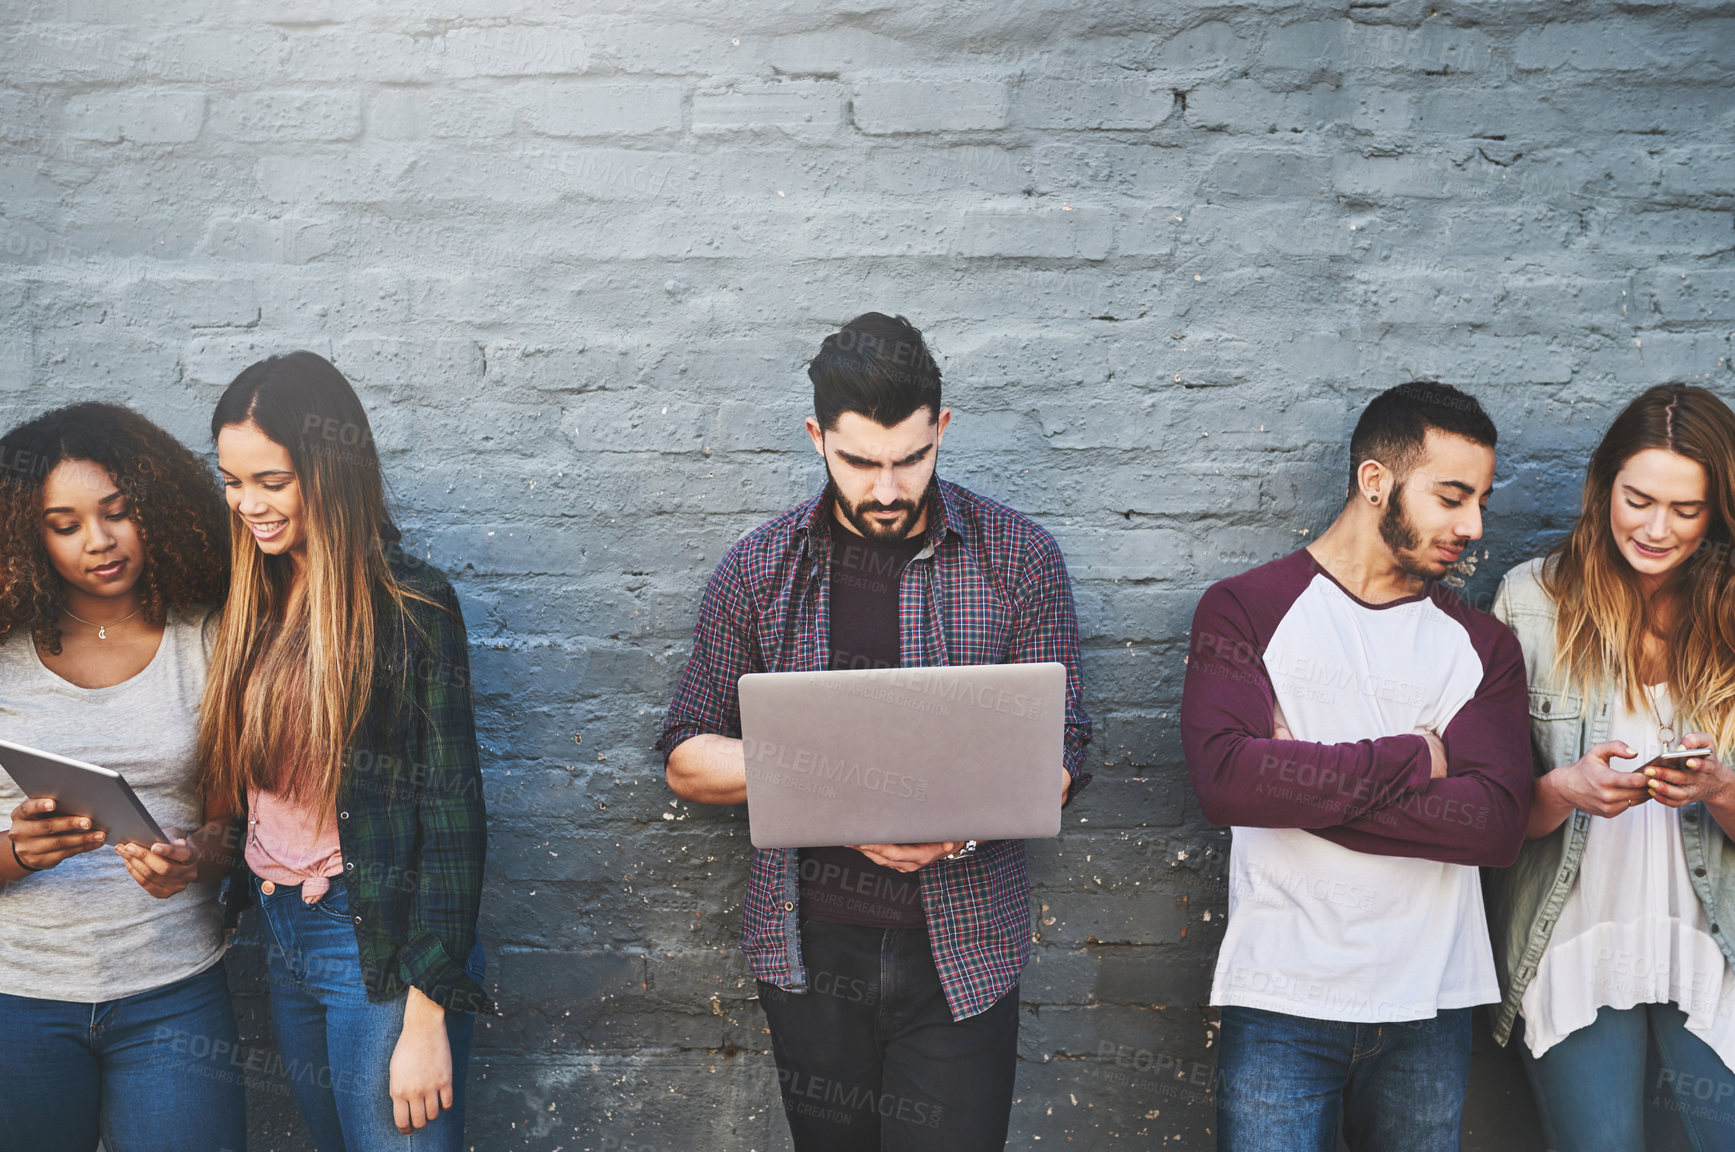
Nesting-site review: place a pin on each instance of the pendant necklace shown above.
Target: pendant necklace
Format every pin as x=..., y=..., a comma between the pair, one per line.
x=1665, y=729
x=102, y=629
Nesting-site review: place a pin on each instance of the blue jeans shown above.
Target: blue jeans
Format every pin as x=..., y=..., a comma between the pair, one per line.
x=336, y=1043
x=1287, y=1083
x=1590, y=1088
x=149, y=1072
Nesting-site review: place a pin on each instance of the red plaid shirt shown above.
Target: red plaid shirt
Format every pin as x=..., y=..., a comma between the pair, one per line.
x=989, y=587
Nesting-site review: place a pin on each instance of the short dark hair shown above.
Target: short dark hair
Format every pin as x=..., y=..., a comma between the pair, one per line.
x=1396, y=422
x=875, y=365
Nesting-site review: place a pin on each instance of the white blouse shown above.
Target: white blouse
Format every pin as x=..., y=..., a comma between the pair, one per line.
x=1632, y=931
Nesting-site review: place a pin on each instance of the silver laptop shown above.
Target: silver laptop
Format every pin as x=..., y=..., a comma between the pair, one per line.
x=903, y=755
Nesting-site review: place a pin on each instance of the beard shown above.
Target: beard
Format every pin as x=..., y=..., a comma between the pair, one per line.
x=859, y=515
x=1401, y=536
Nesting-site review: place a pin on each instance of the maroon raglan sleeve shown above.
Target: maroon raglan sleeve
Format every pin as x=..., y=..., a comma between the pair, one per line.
x=1241, y=775
x=1477, y=813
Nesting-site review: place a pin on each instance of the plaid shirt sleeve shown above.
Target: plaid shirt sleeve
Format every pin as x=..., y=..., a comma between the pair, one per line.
x=1047, y=631
x=452, y=822
x=725, y=647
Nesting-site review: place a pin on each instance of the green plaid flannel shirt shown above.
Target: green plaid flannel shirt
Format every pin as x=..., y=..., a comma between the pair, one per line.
x=410, y=815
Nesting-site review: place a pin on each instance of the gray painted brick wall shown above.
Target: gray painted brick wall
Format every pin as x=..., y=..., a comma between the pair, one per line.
x=574, y=258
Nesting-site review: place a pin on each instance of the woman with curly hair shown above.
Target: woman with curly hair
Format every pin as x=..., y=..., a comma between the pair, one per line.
x=114, y=1007
x=339, y=716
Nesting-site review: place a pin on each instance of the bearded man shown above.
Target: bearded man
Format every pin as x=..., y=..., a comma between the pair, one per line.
x=888, y=972
x=1365, y=735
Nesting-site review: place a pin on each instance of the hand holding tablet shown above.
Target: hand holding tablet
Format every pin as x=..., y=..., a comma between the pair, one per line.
x=74, y=807
x=162, y=869
x=42, y=837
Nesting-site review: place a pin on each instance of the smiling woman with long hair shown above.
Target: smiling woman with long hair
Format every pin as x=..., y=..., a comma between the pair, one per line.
x=114, y=1008
x=1616, y=928
x=338, y=715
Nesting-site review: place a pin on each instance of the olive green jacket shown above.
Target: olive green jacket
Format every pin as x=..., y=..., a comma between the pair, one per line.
x=1525, y=900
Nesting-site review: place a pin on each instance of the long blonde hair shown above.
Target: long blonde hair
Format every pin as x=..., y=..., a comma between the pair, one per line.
x=1602, y=617
x=289, y=684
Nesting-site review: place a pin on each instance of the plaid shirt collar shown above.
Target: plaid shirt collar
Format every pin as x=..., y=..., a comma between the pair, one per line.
x=815, y=520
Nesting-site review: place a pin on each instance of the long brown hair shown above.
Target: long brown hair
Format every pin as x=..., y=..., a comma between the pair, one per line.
x=289, y=684
x=1602, y=617
x=170, y=494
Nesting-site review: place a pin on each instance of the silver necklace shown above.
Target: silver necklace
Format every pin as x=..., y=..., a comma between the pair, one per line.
x=102, y=629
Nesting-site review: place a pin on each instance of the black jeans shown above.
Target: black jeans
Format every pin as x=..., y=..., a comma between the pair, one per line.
x=869, y=1058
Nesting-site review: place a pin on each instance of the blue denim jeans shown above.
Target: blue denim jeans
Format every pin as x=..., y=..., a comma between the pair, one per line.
x=336, y=1043
x=1287, y=1083
x=1591, y=1087
x=150, y=1072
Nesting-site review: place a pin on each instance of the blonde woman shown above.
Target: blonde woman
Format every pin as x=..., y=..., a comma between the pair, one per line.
x=338, y=715
x=1616, y=928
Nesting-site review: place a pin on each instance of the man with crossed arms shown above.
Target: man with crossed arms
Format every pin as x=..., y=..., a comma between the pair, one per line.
x=1366, y=733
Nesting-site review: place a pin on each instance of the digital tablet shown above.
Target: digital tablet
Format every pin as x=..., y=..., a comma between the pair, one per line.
x=80, y=789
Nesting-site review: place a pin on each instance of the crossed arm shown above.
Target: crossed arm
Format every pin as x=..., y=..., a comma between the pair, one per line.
x=1382, y=795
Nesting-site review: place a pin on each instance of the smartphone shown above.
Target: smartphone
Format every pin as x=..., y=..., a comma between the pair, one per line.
x=1678, y=758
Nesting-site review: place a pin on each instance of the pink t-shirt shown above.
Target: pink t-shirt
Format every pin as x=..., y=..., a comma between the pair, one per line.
x=289, y=843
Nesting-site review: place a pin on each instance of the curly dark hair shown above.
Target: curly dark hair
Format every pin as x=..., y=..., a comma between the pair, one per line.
x=170, y=494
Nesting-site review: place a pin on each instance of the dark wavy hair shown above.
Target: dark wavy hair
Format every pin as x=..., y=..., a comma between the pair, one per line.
x=170, y=493
x=877, y=366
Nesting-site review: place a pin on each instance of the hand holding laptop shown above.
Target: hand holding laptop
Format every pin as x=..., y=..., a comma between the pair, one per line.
x=913, y=857
x=907, y=857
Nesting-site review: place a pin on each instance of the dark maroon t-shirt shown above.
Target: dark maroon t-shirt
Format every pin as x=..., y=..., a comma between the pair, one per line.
x=840, y=885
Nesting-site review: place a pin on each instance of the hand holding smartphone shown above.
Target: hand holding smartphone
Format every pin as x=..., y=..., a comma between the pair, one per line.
x=1678, y=757
x=1672, y=781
